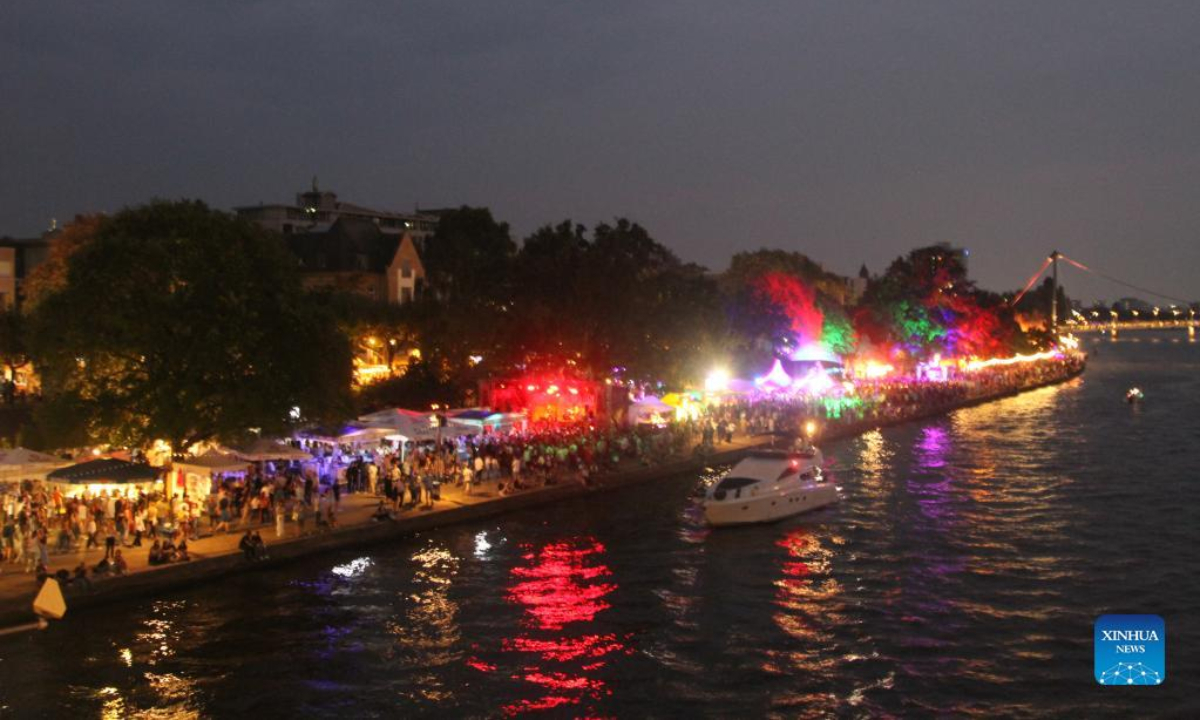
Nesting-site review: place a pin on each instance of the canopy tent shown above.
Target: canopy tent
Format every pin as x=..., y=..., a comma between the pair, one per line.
x=21, y=464
x=407, y=424
x=650, y=409
x=105, y=475
x=263, y=450
x=814, y=352
x=195, y=474
x=215, y=461
x=352, y=434
x=477, y=420
x=106, y=470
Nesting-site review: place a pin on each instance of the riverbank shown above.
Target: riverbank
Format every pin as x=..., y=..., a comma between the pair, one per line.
x=218, y=555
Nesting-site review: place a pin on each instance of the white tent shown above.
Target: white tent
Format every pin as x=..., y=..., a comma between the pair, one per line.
x=650, y=409
x=262, y=450
x=406, y=424
x=197, y=472
x=476, y=420
x=23, y=464
x=353, y=434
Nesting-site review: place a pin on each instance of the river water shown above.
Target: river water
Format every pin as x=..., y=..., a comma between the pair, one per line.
x=959, y=576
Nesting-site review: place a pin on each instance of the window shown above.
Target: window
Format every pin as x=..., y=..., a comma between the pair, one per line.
x=406, y=270
x=6, y=268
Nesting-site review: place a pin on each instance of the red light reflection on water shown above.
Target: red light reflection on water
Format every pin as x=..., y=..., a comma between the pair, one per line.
x=561, y=587
x=557, y=588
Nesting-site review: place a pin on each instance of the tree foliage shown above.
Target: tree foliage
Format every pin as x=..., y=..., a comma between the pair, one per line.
x=183, y=323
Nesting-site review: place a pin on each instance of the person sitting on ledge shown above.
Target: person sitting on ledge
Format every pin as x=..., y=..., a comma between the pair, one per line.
x=120, y=567
x=181, y=553
x=156, y=554
x=246, y=545
x=260, y=547
x=168, y=550
x=381, y=513
x=81, y=578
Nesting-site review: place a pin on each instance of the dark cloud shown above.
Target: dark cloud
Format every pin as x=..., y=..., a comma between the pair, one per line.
x=849, y=131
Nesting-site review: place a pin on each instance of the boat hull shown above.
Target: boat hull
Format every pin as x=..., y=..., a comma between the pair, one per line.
x=769, y=507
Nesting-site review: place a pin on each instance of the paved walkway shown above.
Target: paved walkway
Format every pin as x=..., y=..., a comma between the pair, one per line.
x=355, y=510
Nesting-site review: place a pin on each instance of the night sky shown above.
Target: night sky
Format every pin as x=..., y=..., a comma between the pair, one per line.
x=851, y=132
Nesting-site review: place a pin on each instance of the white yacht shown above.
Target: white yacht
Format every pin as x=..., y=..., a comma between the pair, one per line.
x=769, y=485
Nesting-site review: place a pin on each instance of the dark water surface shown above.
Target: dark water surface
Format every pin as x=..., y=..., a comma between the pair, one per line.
x=959, y=576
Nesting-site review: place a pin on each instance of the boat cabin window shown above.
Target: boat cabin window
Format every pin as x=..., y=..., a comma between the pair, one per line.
x=735, y=483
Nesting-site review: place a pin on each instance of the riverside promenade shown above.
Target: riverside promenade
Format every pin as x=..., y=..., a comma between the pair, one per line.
x=215, y=555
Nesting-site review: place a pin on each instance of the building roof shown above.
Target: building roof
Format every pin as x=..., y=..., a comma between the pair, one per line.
x=349, y=245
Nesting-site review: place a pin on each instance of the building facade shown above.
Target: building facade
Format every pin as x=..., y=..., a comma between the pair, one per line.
x=317, y=211
x=355, y=256
x=18, y=258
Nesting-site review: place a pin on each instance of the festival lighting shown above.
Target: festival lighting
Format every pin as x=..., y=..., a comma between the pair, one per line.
x=717, y=380
x=973, y=365
x=816, y=382
x=810, y=428
x=874, y=370
x=777, y=377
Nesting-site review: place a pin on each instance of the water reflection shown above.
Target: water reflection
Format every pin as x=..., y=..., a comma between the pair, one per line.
x=557, y=658
x=427, y=633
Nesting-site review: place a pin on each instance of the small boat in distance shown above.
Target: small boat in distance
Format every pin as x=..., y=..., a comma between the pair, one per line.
x=769, y=485
x=1135, y=395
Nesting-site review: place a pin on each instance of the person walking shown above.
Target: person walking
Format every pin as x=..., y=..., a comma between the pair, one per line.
x=110, y=539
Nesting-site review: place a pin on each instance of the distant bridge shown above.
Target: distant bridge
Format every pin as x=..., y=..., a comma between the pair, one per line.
x=1115, y=327
x=1080, y=324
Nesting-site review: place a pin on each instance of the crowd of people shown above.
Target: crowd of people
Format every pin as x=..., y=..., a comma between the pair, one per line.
x=38, y=519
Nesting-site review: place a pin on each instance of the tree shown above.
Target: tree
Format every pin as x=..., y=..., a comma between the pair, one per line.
x=775, y=297
x=182, y=323
x=465, y=312
x=51, y=275
x=469, y=256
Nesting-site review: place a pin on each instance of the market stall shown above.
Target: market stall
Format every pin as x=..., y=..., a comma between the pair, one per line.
x=199, y=476
x=107, y=475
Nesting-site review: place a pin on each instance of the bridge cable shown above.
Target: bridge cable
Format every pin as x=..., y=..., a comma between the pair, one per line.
x=1110, y=278
x=1029, y=284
